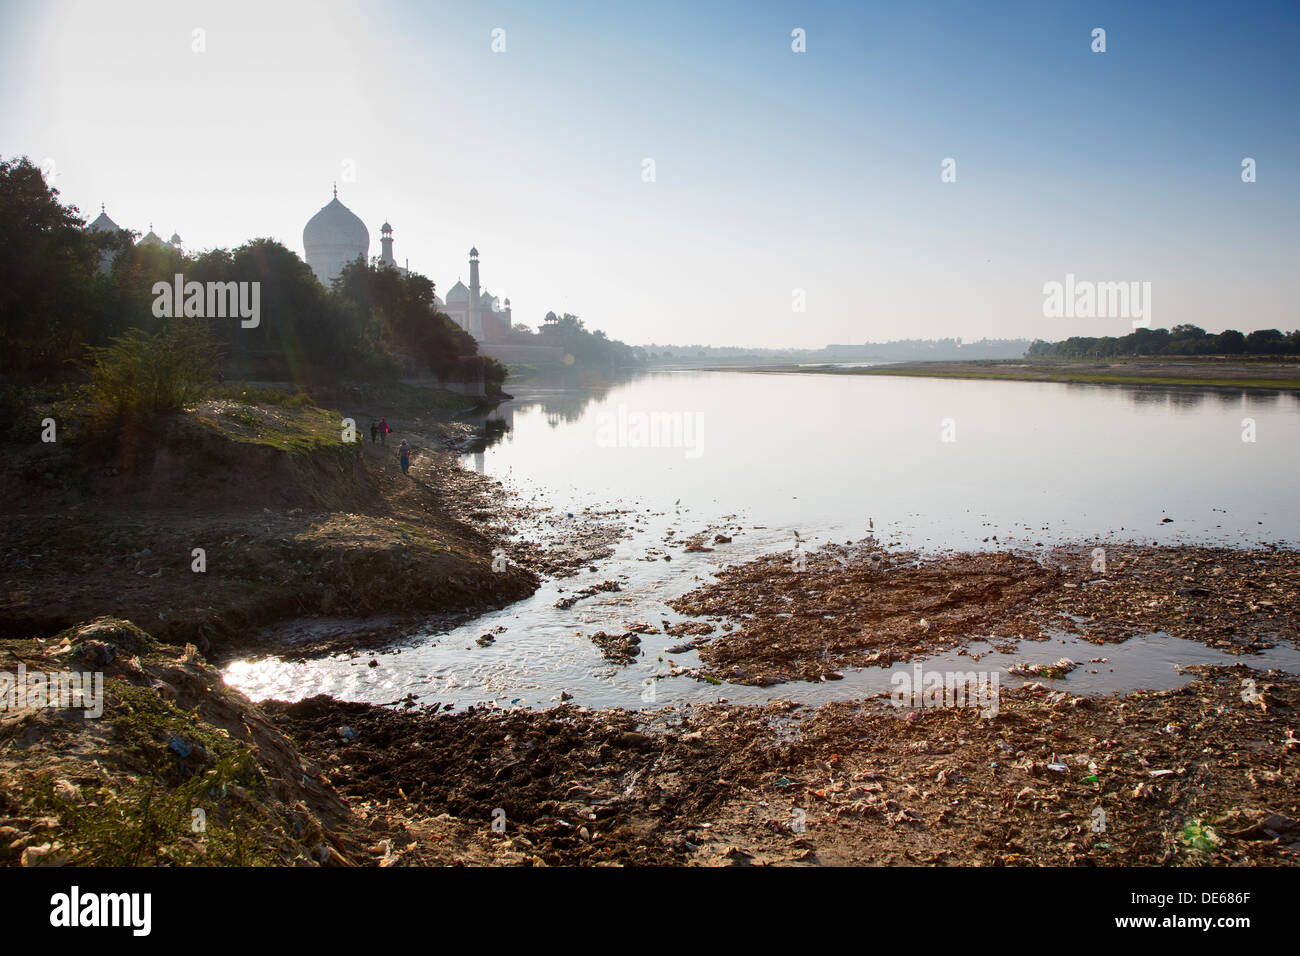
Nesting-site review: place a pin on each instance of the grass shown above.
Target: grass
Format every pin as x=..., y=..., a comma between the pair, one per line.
x=213, y=818
x=213, y=807
x=296, y=427
x=260, y=396
x=1043, y=375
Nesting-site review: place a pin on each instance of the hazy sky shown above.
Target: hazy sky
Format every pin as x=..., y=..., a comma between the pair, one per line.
x=774, y=170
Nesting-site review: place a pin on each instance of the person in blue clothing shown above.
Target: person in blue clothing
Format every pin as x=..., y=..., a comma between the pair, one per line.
x=404, y=456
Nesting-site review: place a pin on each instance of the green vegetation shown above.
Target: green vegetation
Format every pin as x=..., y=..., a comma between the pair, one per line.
x=153, y=820
x=261, y=396
x=1052, y=374
x=1199, y=838
x=168, y=786
x=139, y=375
x=294, y=427
x=79, y=308
x=1180, y=340
x=148, y=824
x=589, y=350
x=406, y=328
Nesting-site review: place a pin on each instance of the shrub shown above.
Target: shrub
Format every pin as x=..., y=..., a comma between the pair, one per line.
x=139, y=375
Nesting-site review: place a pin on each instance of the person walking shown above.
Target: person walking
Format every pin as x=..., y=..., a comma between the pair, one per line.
x=374, y=430
x=383, y=431
x=404, y=456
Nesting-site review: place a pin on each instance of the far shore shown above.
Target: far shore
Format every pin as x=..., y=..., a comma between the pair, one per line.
x=1278, y=374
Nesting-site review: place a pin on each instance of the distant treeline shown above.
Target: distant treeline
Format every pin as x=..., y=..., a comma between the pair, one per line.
x=65, y=290
x=899, y=350
x=1180, y=340
x=590, y=349
x=933, y=350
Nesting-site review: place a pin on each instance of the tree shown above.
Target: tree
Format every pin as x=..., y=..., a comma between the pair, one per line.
x=49, y=265
x=403, y=322
x=1265, y=342
x=1230, y=342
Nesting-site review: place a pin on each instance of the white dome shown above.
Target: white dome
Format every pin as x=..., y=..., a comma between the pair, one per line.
x=332, y=238
x=458, y=293
x=102, y=223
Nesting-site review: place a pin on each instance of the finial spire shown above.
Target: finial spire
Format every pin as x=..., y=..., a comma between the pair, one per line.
x=336, y=190
x=101, y=207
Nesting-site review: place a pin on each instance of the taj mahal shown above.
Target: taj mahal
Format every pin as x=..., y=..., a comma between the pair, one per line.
x=336, y=236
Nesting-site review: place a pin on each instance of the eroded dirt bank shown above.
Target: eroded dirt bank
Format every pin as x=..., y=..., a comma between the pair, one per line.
x=297, y=532
x=862, y=605
x=169, y=766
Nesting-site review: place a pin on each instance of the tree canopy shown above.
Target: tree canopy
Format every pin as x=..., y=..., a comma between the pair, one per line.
x=68, y=289
x=1180, y=340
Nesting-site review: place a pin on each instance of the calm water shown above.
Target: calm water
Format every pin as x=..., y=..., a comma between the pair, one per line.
x=931, y=464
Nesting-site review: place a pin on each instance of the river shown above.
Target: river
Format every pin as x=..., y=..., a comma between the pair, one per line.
x=929, y=464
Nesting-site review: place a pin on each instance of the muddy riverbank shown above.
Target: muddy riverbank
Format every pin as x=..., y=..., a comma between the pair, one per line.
x=805, y=617
x=1194, y=776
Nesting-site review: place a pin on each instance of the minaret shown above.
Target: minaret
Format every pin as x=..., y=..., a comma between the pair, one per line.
x=476, y=327
x=473, y=279
x=386, y=243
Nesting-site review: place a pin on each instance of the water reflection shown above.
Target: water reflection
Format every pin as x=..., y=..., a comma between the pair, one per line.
x=1186, y=397
x=1262, y=398
x=558, y=404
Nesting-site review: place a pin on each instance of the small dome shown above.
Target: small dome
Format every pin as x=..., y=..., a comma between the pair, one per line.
x=473, y=252
x=150, y=239
x=385, y=227
x=458, y=293
x=175, y=240
x=102, y=223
